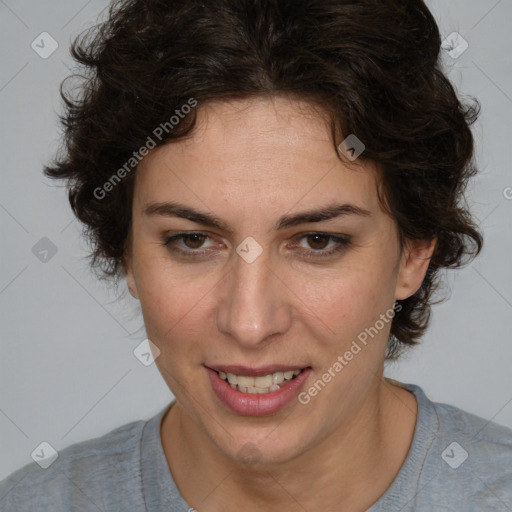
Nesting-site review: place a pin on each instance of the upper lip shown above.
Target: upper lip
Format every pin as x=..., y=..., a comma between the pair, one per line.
x=254, y=372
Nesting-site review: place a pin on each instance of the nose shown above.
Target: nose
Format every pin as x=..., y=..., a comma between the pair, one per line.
x=253, y=306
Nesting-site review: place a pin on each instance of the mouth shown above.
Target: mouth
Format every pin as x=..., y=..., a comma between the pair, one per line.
x=257, y=391
x=261, y=384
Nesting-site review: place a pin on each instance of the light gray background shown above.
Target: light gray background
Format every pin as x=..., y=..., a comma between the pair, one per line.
x=68, y=372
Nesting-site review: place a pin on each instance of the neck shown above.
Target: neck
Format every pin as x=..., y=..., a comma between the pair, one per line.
x=349, y=469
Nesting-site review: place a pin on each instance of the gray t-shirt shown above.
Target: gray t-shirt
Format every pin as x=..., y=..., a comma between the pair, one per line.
x=457, y=462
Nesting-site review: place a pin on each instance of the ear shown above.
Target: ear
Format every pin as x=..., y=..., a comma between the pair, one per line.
x=128, y=269
x=413, y=267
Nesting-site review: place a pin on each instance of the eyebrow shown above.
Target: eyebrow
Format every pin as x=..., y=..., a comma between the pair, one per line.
x=172, y=209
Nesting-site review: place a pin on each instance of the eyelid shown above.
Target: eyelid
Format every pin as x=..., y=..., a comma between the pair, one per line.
x=182, y=234
x=333, y=236
x=342, y=241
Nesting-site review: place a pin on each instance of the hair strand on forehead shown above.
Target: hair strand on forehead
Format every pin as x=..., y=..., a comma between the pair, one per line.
x=374, y=67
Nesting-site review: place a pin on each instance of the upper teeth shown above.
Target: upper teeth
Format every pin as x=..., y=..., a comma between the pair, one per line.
x=262, y=383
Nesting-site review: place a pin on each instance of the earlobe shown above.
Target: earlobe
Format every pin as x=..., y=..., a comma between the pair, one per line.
x=413, y=267
x=130, y=279
x=132, y=292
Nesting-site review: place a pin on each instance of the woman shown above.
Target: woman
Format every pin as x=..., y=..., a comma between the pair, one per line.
x=280, y=184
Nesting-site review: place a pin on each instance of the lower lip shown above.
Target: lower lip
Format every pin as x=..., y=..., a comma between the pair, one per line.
x=248, y=404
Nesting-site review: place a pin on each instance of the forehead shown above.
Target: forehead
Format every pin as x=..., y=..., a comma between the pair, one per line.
x=275, y=152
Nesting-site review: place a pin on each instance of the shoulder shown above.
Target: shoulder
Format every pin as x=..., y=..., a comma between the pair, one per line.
x=483, y=443
x=82, y=477
x=484, y=434
x=469, y=462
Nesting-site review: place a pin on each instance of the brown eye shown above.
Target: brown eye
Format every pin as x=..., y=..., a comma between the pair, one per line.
x=194, y=240
x=318, y=241
x=192, y=244
x=322, y=245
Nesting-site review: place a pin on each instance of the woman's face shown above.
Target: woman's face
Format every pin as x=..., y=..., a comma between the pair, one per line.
x=273, y=286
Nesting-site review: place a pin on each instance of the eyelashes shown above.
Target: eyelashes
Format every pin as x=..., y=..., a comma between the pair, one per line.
x=190, y=244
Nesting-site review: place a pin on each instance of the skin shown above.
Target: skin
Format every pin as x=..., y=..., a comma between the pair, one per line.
x=249, y=162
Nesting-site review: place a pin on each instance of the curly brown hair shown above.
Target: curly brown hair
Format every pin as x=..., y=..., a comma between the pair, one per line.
x=374, y=67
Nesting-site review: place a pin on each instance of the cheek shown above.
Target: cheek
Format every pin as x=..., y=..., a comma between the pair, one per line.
x=171, y=303
x=351, y=297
